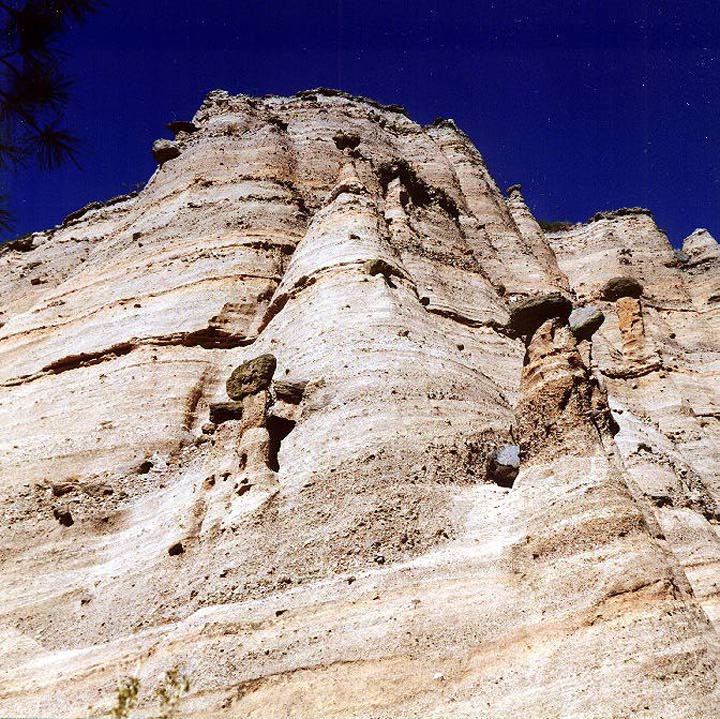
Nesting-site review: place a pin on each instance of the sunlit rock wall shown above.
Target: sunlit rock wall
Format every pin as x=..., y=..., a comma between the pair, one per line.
x=335, y=544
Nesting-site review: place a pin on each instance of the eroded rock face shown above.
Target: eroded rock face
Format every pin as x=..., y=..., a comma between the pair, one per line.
x=432, y=501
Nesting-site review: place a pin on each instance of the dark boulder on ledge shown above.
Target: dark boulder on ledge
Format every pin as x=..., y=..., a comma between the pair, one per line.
x=528, y=314
x=251, y=377
x=618, y=287
x=585, y=321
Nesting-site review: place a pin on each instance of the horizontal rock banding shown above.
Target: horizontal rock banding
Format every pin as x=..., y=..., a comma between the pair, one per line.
x=324, y=416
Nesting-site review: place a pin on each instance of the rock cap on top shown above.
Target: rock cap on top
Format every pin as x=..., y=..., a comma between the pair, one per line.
x=251, y=376
x=528, y=314
x=164, y=150
x=585, y=321
x=618, y=287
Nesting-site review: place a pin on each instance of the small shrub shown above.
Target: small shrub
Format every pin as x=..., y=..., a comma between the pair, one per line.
x=555, y=226
x=127, y=693
x=173, y=687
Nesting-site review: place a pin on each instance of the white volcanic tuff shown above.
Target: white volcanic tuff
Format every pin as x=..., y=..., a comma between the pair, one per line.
x=669, y=434
x=104, y=419
x=380, y=576
x=703, y=277
x=146, y=304
x=533, y=236
x=206, y=265
x=701, y=245
x=346, y=232
x=490, y=230
x=62, y=251
x=621, y=244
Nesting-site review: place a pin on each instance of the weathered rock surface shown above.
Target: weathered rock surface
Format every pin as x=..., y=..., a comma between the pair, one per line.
x=336, y=546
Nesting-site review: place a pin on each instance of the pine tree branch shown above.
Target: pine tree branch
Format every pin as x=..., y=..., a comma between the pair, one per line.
x=8, y=64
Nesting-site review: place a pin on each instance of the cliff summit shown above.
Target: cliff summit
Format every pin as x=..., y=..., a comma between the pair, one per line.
x=324, y=417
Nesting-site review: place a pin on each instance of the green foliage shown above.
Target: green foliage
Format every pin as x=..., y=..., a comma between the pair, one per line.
x=555, y=226
x=173, y=687
x=126, y=698
x=33, y=89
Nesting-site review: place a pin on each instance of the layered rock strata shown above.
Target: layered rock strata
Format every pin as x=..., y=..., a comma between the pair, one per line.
x=343, y=530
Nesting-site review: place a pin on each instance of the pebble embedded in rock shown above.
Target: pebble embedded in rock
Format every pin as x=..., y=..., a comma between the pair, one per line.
x=175, y=549
x=61, y=488
x=63, y=515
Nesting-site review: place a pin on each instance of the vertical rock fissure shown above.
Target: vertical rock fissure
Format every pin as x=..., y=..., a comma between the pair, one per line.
x=278, y=429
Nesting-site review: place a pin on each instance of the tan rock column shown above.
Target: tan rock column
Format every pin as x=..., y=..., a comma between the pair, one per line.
x=639, y=355
x=632, y=327
x=559, y=401
x=239, y=477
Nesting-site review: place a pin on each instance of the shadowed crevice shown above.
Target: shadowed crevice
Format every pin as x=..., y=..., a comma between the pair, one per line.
x=278, y=428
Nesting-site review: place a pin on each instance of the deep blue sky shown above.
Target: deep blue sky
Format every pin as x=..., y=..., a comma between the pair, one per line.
x=589, y=105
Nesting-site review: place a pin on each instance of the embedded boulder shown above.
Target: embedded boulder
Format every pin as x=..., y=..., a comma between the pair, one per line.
x=223, y=411
x=164, y=150
x=251, y=377
x=618, y=287
x=528, y=314
x=585, y=321
x=290, y=392
x=63, y=515
x=504, y=465
x=380, y=267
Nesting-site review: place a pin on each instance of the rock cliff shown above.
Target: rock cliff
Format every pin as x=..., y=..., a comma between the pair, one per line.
x=310, y=415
